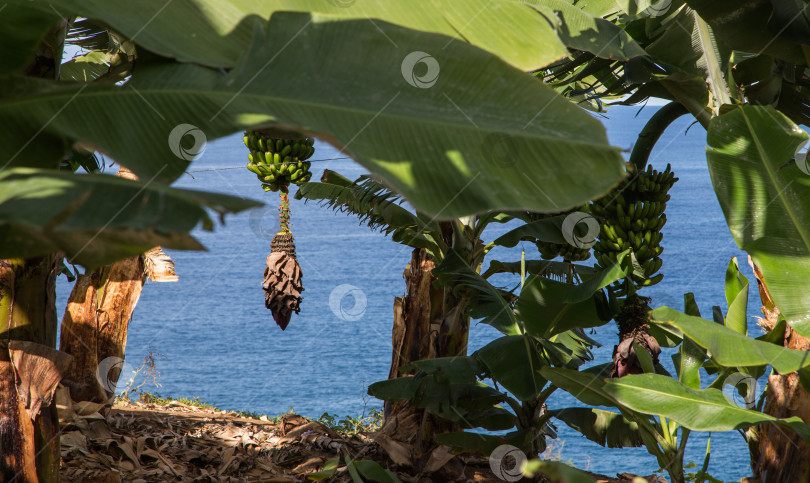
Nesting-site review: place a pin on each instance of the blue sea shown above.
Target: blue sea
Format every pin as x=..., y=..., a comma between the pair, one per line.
x=212, y=337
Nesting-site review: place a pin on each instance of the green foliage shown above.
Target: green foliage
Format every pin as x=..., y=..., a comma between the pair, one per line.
x=79, y=219
x=376, y=206
x=557, y=470
x=750, y=151
x=364, y=423
x=221, y=29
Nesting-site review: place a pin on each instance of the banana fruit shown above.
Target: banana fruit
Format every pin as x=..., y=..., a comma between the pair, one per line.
x=278, y=162
x=632, y=216
x=566, y=251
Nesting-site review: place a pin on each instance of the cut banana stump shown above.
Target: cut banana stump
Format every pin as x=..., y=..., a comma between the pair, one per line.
x=278, y=163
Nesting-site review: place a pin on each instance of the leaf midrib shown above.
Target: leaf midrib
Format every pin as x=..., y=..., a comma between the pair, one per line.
x=409, y=118
x=642, y=390
x=774, y=183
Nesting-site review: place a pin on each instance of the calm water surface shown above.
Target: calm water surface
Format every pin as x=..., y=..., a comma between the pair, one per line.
x=213, y=338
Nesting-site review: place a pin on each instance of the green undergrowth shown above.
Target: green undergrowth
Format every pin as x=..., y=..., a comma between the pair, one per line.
x=368, y=421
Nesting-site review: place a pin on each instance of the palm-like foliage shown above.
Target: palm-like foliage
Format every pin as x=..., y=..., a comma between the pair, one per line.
x=377, y=206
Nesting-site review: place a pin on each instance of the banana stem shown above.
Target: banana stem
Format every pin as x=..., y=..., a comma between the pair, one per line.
x=284, y=210
x=653, y=130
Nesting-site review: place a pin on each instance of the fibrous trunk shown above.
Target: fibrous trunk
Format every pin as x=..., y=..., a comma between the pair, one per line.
x=94, y=328
x=777, y=455
x=30, y=368
x=428, y=323
x=96, y=321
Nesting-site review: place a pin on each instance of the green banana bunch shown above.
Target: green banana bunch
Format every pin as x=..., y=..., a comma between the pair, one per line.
x=278, y=162
x=632, y=216
x=568, y=252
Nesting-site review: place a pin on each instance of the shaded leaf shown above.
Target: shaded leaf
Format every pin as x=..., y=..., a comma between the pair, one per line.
x=97, y=219
x=487, y=302
x=561, y=472
x=443, y=174
x=543, y=309
x=215, y=32
x=583, y=31
x=513, y=361
x=750, y=149
x=603, y=427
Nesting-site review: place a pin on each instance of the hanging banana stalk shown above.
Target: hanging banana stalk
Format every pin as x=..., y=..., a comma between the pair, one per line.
x=632, y=216
x=277, y=163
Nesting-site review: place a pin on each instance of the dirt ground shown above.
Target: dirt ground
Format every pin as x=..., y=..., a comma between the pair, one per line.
x=142, y=443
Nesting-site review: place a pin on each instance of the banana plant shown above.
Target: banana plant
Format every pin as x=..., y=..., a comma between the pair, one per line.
x=740, y=360
x=112, y=100
x=541, y=327
x=663, y=438
x=682, y=404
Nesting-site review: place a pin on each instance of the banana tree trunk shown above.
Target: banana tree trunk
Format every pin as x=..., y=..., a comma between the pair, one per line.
x=779, y=456
x=429, y=322
x=417, y=318
x=96, y=320
x=94, y=328
x=30, y=369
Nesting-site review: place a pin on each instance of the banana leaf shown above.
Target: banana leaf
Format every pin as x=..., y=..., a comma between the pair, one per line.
x=487, y=302
x=419, y=142
x=603, y=427
x=544, y=310
x=729, y=348
x=698, y=410
x=765, y=198
x=514, y=362
x=96, y=219
x=215, y=32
